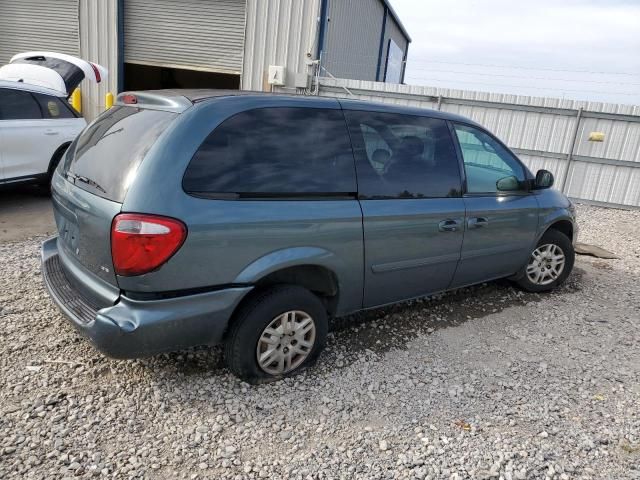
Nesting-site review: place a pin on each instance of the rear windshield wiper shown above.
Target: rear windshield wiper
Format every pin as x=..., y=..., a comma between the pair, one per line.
x=88, y=181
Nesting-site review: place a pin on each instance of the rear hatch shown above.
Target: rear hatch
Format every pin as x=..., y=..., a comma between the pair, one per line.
x=53, y=70
x=95, y=175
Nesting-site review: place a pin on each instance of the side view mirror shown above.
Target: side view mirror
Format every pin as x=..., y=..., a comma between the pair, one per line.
x=544, y=179
x=508, y=184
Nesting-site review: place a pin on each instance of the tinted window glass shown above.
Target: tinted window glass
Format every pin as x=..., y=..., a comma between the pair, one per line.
x=403, y=156
x=485, y=160
x=53, y=107
x=105, y=157
x=275, y=151
x=18, y=105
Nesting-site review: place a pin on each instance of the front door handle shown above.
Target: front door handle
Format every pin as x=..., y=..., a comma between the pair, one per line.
x=449, y=225
x=478, y=222
x=51, y=132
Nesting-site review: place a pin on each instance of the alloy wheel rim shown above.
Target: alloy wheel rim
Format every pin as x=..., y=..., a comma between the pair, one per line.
x=546, y=264
x=286, y=342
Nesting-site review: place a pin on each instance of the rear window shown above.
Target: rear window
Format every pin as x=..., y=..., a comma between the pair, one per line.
x=278, y=151
x=105, y=157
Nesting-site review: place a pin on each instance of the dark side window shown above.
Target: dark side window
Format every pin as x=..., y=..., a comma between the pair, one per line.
x=53, y=107
x=18, y=105
x=403, y=156
x=275, y=152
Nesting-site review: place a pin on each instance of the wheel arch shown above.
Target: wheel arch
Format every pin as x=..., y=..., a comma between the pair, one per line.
x=318, y=279
x=564, y=226
x=314, y=268
x=56, y=157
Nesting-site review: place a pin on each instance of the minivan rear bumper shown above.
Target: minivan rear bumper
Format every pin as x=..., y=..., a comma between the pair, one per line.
x=134, y=328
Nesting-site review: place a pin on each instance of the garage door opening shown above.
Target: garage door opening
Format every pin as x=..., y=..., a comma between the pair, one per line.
x=145, y=77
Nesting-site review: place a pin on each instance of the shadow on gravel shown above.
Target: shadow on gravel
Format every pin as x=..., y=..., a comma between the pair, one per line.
x=384, y=329
x=25, y=211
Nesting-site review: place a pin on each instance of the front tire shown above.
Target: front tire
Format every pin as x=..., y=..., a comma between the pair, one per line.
x=45, y=186
x=549, y=264
x=276, y=333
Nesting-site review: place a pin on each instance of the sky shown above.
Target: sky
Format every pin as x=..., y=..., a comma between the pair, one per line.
x=577, y=49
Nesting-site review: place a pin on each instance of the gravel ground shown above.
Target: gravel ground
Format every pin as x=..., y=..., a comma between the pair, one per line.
x=486, y=382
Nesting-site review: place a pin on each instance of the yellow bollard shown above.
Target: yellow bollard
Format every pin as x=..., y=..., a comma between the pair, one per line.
x=108, y=101
x=76, y=100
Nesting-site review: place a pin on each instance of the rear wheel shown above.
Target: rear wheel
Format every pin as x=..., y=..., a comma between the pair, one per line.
x=276, y=333
x=550, y=263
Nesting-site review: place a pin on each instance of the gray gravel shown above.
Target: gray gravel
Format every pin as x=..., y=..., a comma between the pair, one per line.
x=487, y=382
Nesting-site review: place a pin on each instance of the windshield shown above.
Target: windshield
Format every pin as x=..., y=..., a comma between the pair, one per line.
x=106, y=156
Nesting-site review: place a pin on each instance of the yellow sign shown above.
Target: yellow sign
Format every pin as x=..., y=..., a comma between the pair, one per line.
x=596, y=137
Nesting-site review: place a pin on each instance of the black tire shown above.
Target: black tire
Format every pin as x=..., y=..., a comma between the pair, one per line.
x=255, y=315
x=559, y=239
x=45, y=186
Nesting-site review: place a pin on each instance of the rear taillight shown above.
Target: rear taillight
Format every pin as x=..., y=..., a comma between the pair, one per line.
x=96, y=72
x=141, y=243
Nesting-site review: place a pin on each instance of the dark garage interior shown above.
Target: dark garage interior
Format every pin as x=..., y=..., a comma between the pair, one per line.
x=146, y=77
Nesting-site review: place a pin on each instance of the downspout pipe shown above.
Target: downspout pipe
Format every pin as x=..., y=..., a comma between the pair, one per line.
x=324, y=8
x=120, y=76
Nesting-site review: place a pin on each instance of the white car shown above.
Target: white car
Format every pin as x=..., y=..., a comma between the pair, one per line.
x=37, y=123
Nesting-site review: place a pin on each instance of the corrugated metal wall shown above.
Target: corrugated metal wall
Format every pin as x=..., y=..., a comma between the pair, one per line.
x=278, y=32
x=99, y=44
x=84, y=28
x=539, y=130
x=190, y=34
x=38, y=25
x=353, y=38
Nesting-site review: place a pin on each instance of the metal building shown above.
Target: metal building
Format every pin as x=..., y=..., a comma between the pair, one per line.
x=150, y=44
x=363, y=40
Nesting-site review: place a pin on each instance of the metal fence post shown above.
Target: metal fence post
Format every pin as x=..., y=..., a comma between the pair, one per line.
x=571, y=151
x=439, y=102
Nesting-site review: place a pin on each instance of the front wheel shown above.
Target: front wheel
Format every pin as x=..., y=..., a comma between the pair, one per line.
x=550, y=263
x=45, y=186
x=276, y=333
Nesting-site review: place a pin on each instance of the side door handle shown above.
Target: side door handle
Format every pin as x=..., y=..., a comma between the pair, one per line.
x=50, y=131
x=478, y=222
x=449, y=225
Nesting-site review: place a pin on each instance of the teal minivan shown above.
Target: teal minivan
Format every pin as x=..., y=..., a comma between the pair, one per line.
x=200, y=217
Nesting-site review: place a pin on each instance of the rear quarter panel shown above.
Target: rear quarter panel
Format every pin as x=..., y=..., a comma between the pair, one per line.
x=240, y=241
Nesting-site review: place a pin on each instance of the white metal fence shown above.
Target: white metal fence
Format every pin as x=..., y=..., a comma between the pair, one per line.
x=548, y=133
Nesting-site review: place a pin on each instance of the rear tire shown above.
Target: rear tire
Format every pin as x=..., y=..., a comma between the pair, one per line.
x=276, y=333
x=549, y=264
